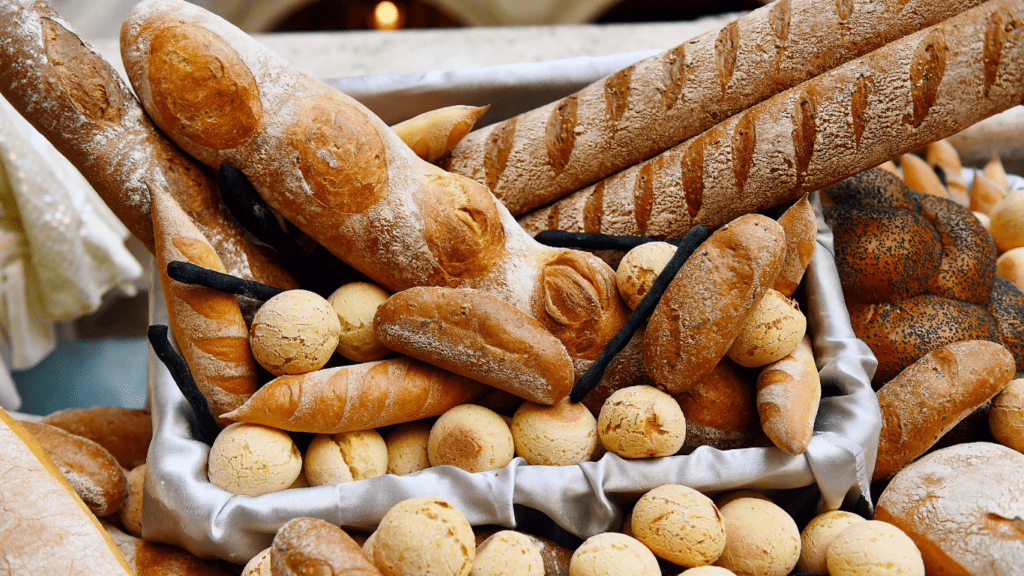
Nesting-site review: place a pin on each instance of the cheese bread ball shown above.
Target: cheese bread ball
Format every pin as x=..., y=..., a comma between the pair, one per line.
x=131, y=513
x=252, y=459
x=258, y=565
x=731, y=495
x=680, y=525
x=639, y=268
x=874, y=548
x=356, y=303
x=470, y=437
x=508, y=552
x=561, y=434
x=346, y=456
x=407, y=447
x=294, y=332
x=818, y=534
x=761, y=539
x=641, y=422
x=707, y=571
x=773, y=329
x=423, y=536
x=1006, y=416
x=613, y=554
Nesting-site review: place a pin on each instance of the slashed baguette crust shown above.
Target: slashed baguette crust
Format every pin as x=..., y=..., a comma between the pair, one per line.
x=207, y=323
x=643, y=110
x=896, y=99
x=83, y=107
x=357, y=397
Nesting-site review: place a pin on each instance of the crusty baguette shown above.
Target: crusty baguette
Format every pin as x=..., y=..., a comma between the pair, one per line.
x=207, y=323
x=336, y=171
x=706, y=304
x=433, y=134
x=357, y=397
x=45, y=528
x=83, y=107
x=896, y=99
x=93, y=472
x=801, y=227
x=124, y=432
x=306, y=542
x=475, y=334
x=629, y=116
x=788, y=392
x=932, y=395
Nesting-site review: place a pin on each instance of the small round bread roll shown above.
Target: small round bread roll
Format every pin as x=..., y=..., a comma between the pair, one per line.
x=258, y=565
x=423, y=535
x=773, y=329
x=639, y=268
x=557, y=435
x=1007, y=225
x=346, y=456
x=356, y=303
x=707, y=571
x=641, y=422
x=131, y=513
x=470, y=437
x=407, y=447
x=1010, y=265
x=874, y=548
x=508, y=552
x=1006, y=416
x=731, y=495
x=613, y=554
x=816, y=537
x=252, y=459
x=294, y=332
x=680, y=525
x=761, y=539
x=985, y=220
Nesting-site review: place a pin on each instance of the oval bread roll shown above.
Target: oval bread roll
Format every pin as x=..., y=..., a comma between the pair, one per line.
x=788, y=392
x=124, y=432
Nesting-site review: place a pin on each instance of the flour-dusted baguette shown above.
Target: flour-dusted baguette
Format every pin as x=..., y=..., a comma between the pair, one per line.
x=433, y=134
x=706, y=304
x=630, y=116
x=83, y=107
x=336, y=171
x=207, y=323
x=896, y=99
x=45, y=528
x=788, y=392
x=357, y=397
x=932, y=395
x=475, y=334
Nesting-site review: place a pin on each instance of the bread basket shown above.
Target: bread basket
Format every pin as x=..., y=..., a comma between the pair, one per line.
x=182, y=507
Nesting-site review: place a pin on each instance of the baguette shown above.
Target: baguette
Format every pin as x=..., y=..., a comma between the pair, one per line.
x=327, y=164
x=706, y=304
x=475, y=334
x=45, y=528
x=788, y=392
x=357, y=397
x=82, y=106
x=898, y=98
x=801, y=228
x=433, y=134
x=207, y=323
x=630, y=116
x=932, y=395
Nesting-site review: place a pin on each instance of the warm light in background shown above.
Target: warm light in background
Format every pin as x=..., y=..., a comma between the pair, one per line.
x=386, y=16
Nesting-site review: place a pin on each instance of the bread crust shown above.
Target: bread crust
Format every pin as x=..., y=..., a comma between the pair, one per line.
x=124, y=432
x=306, y=542
x=915, y=90
x=788, y=392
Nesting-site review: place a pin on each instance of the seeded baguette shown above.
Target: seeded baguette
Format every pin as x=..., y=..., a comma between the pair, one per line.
x=918, y=89
x=643, y=110
x=82, y=106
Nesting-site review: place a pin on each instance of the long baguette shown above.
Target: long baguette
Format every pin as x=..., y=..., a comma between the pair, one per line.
x=630, y=116
x=898, y=98
x=357, y=397
x=80, y=104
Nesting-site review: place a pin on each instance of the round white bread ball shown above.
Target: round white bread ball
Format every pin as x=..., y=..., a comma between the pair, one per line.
x=294, y=332
x=561, y=434
x=707, y=571
x=731, y=495
x=772, y=330
x=344, y=457
x=760, y=538
x=874, y=548
x=251, y=459
x=356, y=303
x=423, y=535
x=613, y=554
x=508, y=552
x=680, y=525
x=639, y=268
x=818, y=534
x=407, y=447
x=258, y=565
x=472, y=438
x=1006, y=416
x=641, y=422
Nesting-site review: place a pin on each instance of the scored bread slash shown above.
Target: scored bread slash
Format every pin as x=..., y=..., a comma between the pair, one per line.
x=475, y=334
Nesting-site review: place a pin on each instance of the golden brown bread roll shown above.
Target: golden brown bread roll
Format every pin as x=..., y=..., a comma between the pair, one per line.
x=788, y=392
x=124, y=432
x=919, y=176
x=943, y=156
x=306, y=544
x=801, y=228
x=477, y=335
x=95, y=475
x=721, y=410
x=706, y=303
x=433, y=134
x=927, y=399
x=556, y=557
x=328, y=165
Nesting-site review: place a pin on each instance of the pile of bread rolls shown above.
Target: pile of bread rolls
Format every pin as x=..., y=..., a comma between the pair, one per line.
x=464, y=347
